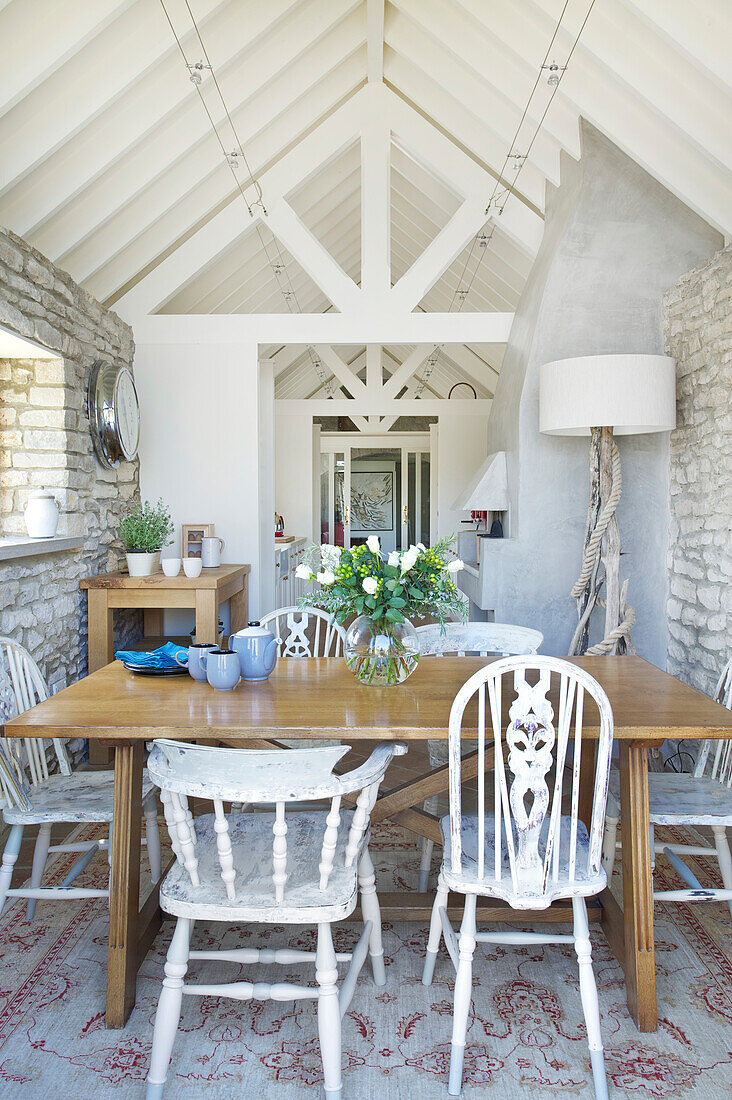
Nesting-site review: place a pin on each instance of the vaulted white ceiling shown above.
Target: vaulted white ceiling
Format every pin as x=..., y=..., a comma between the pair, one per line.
x=109, y=165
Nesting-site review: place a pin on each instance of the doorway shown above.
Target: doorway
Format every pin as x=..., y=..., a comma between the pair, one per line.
x=373, y=486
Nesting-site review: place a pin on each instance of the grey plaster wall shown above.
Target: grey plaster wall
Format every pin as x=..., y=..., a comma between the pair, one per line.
x=615, y=240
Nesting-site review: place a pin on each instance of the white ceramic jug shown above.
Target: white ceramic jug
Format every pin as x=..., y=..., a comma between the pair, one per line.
x=41, y=514
x=211, y=548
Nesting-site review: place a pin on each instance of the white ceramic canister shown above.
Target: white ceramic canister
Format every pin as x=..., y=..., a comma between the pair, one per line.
x=41, y=514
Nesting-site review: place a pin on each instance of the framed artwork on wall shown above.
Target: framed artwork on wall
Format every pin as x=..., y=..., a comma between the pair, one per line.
x=193, y=534
x=372, y=500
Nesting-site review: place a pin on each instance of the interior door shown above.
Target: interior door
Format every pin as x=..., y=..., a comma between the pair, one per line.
x=415, y=517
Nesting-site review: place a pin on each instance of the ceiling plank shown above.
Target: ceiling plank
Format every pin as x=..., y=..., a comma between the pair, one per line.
x=615, y=109
x=44, y=37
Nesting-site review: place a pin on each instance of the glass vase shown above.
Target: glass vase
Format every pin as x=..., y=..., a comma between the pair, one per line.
x=381, y=652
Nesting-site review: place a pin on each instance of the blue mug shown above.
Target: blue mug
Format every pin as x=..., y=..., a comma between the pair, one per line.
x=194, y=661
x=222, y=668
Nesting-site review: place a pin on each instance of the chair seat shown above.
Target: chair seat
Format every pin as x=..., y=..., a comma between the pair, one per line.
x=82, y=796
x=467, y=881
x=678, y=798
x=251, y=842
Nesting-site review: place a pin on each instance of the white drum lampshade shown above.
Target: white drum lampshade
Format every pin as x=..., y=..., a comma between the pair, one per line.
x=631, y=394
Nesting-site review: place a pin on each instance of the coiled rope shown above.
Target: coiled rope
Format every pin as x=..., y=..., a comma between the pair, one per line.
x=589, y=568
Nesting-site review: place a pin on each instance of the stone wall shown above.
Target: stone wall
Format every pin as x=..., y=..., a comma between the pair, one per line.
x=698, y=332
x=45, y=442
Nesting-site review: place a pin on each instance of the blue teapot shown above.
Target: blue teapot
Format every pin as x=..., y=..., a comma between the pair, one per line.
x=257, y=651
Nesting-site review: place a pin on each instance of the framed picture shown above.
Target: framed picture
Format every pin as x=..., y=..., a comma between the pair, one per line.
x=193, y=534
x=372, y=500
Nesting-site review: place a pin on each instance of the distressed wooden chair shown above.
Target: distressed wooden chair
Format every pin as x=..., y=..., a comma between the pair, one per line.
x=701, y=797
x=304, y=632
x=526, y=851
x=283, y=867
x=34, y=796
x=463, y=640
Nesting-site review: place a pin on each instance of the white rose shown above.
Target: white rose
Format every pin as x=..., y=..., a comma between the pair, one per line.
x=373, y=544
x=303, y=572
x=326, y=577
x=455, y=566
x=394, y=558
x=409, y=557
x=370, y=584
x=421, y=546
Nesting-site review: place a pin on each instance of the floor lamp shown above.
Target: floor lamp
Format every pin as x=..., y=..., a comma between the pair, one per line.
x=603, y=396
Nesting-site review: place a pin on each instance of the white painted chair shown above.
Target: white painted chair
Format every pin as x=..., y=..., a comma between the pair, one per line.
x=463, y=640
x=305, y=632
x=529, y=856
x=701, y=797
x=34, y=796
x=478, y=639
x=283, y=867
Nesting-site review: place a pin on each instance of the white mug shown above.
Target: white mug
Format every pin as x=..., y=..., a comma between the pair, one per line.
x=171, y=566
x=212, y=546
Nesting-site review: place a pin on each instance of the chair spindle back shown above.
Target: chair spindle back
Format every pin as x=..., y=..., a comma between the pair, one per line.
x=262, y=777
x=715, y=757
x=291, y=626
x=21, y=687
x=527, y=811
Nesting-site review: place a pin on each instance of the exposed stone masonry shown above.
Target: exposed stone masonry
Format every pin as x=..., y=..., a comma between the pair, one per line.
x=698, y=332
x=45, y=442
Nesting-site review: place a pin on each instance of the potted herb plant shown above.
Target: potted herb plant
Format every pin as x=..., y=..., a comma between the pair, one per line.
x=384, y=592
x=144, y=532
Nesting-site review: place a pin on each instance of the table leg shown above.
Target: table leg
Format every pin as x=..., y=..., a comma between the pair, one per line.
x=239, y=607
x=152, y=618
x=101, y=643
x=100, y=653
x=640, y=961
x=207, y=615
x=124, y=899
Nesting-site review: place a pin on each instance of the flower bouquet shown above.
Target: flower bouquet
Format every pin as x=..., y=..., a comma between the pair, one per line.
x=384, y=592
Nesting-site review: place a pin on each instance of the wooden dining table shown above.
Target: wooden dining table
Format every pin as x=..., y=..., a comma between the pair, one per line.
x=320, y=699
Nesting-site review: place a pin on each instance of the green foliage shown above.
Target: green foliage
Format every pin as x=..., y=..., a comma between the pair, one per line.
x=416, y=585
x=147, y=527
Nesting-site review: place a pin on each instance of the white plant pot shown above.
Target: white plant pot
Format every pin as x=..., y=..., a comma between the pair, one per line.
x=142, y=565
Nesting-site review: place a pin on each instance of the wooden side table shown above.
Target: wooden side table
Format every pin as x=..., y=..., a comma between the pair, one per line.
x=110, y=591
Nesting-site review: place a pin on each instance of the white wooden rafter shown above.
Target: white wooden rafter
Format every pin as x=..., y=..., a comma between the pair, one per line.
x=375, y=40
x=365, y=115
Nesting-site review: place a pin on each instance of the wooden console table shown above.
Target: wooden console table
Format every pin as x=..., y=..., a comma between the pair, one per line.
x=153, y=595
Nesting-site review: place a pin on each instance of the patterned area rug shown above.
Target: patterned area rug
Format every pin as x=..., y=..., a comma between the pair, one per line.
x=526, y=1034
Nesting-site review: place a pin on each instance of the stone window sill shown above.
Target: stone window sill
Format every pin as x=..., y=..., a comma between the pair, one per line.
x=23, y=547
